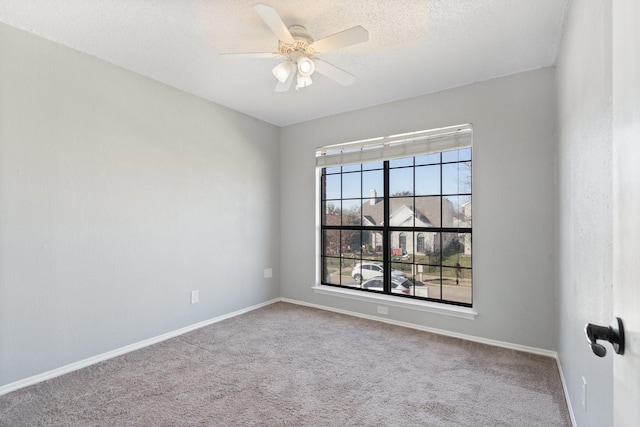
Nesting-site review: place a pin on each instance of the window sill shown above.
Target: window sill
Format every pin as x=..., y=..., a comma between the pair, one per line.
x=427, y=306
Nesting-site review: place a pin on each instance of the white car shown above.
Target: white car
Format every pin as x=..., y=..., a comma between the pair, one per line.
x=399, y=284
x=369, y=270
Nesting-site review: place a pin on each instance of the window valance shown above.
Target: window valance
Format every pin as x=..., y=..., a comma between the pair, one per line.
x=395, y=146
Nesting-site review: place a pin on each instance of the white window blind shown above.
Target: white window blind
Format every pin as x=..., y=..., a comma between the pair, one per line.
x=395, y=146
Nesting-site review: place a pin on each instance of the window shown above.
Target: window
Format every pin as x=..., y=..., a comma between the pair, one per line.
x=420, y=243
x=399, y=224
x=402, y=243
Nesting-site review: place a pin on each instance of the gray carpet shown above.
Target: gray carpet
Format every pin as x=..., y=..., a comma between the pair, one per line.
x=287, y=365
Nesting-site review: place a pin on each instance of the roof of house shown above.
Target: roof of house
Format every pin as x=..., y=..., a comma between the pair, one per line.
x=427, y=210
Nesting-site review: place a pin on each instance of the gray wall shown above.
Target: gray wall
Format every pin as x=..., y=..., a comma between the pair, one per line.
x=585, y=214
x=513, y=200
x=119, y=196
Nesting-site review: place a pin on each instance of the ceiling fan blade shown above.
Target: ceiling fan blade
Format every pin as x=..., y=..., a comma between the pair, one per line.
x=334, y=72
x=344, y=38
x=283, y=87
x=273, y=21
x=250, y=55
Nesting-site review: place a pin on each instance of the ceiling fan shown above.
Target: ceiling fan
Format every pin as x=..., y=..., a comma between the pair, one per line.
x=298, y=49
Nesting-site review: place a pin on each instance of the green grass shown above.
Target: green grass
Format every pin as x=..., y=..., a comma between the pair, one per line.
x=450, y=261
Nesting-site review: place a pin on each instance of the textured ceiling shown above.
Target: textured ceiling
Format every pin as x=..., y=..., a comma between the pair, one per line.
x=415, y=46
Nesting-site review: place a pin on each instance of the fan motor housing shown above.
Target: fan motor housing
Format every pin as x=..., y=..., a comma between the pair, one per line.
x=301, y=45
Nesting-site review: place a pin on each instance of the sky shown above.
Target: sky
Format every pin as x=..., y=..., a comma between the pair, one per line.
x=356, y=184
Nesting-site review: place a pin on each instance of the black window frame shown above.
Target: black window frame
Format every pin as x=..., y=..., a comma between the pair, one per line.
x=386, y=230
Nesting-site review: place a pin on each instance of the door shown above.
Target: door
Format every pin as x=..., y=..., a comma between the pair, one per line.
x=626, y=208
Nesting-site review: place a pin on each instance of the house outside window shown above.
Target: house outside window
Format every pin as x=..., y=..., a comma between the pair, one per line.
x=399, y=224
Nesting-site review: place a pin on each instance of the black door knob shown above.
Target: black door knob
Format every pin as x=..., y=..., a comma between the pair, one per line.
x=614, y=334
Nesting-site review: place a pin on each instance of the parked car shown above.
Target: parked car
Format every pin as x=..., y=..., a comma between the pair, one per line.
x=399, y=284
x=368, y=270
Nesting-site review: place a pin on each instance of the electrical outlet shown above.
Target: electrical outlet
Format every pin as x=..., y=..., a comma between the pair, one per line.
x=268, y=273
x=195, y=297
x=584, y=394
x=383, y=310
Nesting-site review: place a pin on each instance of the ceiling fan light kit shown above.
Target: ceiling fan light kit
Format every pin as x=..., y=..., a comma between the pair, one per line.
x=299, y=50
x=282, y=71
x=303, y=81
x=306, y=67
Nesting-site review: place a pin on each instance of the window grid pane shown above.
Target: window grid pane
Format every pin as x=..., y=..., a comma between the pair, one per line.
x=427, y=231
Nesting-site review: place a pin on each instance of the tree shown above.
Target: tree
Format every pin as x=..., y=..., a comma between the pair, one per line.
x=332, y=216
x=402, y=193
x=351, y=239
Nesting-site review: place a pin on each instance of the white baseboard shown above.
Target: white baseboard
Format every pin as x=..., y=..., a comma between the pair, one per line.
x=8, y=388
x=566, y=394
x=496, y=343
